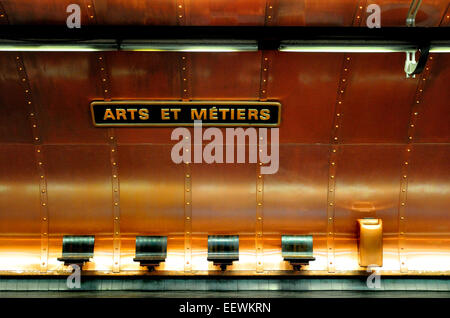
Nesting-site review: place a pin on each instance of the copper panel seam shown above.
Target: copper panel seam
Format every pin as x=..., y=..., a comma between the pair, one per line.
x=271, y=10
x=40, y=160
x=115, y=183
x=332, y=164
x=91, y=16
x=181, y=12
x=185, y=63
x=360, y=13
x=414, y=116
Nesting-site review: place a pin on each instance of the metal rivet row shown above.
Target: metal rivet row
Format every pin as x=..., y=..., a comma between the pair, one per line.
x=406, y=163
x=3, y=15
x=264, y=77
x=181, y=12
x=114, y=162
x=359, y=13
x=332, y=164
x=185, y=66
x=40, y=160
x=90, y=10
x=270, y=12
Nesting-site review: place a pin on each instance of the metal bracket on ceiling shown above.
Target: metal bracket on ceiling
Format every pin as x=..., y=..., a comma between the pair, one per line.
x=413, y=67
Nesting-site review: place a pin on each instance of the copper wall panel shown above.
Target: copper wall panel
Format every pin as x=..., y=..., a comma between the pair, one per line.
x=306, y=85
x=125, y=12
x=63, y=85
x=434, y=118
x=144, y=75
x=427, y=220
x=295, y=202
x=220, y=12
x=377, y=104
x=14, y=125
x=151, y=191
x=40, y=12
x=367, y=185
x=79, y=189
x=19, y=191
x=315, y=13
x=225, y=75
x=225, y=12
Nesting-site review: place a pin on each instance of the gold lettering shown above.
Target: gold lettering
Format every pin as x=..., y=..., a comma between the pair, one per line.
x=143, y=113
x=165, y=113
x=253, y=114
x=132, y=111
x=195, y=115
x=224, y=112
x=175, y=112
x=264, y=114
x=213, y=113
x=120, y=112
x=241, y=114
x=108, y=114
x=232, y=113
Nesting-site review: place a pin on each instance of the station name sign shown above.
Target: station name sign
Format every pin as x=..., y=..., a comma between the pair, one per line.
x=164, y=113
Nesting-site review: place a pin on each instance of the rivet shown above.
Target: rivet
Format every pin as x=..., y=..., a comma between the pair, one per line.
x=337, y=126
x=332, y=177
x=330, y=219
x=184, y=79
x=332, y=163
x=264, y=91
x=342, y=91
x=42, y=177
x=331, y=190
x=23, y=79
x=331, y=204
x=116, y=218
x=43, y=191
x=410, y=137
x=348, y=58
x=402, y=233
x=113, y=150
x=406, y=162
x=114, y=176
x=343, y=79
x=412, y=125
x=29, y=103
x=115, y=190
x=345, y=69
x=102, y=69
x=259, y=218
x=416, y=113
x=357, y=17
x=17, y=57
x=117, y=263
x=92, y=17
x=431, y=57
x=117, y=233
x=424, y=79
x=264, y=80
x=403, y=190
x=187, y=190
x=116, y=204
x=188, y=218
x=270, y=7
x=330, y=233
x=36, y=138
x=269, y=17
x=106, y=90
x=26, y=91
x=402, y=217
x=260, y=176
x=89, y=5
x=104, y=79
x=43, y=263
x=405, y=176
x=180, y=6
x=265, y=59
x=187, y=176
x=43, y=204
x=44, y=219
x=188, y=203
x=408, y=150
x=180, y=16
x=338, y=114
x=100, y=58
x=259, y=203
x=114, y=163
x=259, y=190
x=187, y=233
x=265, y=70
x=260, y=163
x=403, y=263
x=403, y=203
x=335, y=138
x=339, y=102
x=20, y=69
x=31, y=114
x=334, y=150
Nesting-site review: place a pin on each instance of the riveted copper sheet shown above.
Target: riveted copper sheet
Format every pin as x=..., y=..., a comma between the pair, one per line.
x=223, y=199
x=222, y=12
